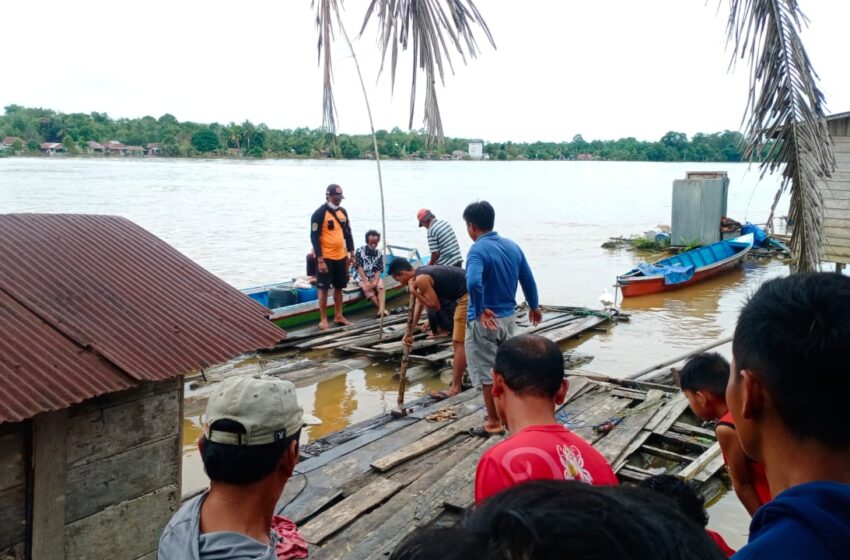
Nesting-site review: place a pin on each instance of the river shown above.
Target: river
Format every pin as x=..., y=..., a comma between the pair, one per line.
x=247, y=222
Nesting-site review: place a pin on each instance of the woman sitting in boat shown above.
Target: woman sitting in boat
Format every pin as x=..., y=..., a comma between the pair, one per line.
x=368, y=267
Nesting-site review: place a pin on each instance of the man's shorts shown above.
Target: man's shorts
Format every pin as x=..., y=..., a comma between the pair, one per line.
x=481, y=346
x=336, y=276
x=459, y=331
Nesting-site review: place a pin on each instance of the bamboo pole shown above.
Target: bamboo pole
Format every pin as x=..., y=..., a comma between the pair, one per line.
x=377, y=154
x=679, y=358
x=405, y=356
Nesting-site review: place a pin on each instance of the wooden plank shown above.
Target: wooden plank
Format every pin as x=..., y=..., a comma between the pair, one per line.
x=842, y=157
x=666, y=454
x=639, y=385
x=13, y=516
x=838, y=236
x=97, y=485
x=632, y=448
x=13, y=465
x=675, y=410
x=109, y=400
x=571, y=330
x=633, y=474
x=105, y=432
x=14, y=552
x=684, y=428
x=437, y=358
x=50, y=435
x=710, y=469
x=343, y=513
x=608, y=408
x=700, y=462
x=426, y=444
x=130, y=529
x=686, y=441
x=613, y=444
x=836, y=204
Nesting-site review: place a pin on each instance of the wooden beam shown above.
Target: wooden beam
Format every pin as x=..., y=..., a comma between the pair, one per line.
x=343, y=513
x=700, y=463
x=49, y=476
x=426, y=444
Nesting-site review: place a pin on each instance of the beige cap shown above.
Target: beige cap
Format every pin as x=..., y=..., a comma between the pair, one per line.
x=265, y=406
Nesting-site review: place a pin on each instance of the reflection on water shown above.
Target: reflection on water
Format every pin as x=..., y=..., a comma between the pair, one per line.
x=559, y=212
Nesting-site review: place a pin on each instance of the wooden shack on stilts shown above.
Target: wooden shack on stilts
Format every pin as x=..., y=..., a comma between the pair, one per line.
x=99, y=320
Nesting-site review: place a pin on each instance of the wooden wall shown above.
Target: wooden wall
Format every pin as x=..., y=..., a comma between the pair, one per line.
x=836, y=196
x=13, y=489
x=121, y=478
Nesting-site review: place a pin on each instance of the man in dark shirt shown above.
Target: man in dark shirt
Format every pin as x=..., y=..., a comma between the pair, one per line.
x=435, y=287
x=330, y=235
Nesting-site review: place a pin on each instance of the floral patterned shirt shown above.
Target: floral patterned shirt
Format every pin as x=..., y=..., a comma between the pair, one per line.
x=370, y=260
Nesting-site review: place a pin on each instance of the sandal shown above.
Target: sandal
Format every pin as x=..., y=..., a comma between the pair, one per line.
x=480, y=431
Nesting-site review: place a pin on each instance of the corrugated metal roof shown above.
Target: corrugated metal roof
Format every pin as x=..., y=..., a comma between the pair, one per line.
x=95, y=304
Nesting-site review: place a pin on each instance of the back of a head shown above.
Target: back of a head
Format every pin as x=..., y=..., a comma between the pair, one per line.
x=552, y=520
x=398, y=265
x=480, y=214
x=682, y=493
x=708, y=371
x=794, y=335
x=530, y=364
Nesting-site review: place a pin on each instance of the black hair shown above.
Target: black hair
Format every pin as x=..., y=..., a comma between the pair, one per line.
x=685, y=495
x=480, y=214
x=445, y=543
x=242, y=464
x=399, y=265
x=530, y=364
x=372, y=232
x=793, y=334
x=708, y=371
x=551, y=519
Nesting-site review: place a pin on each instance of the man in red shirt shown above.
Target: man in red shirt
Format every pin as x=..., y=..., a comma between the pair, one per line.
x=528, y=383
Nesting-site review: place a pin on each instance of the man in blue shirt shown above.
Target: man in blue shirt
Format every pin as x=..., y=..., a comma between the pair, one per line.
x=494, y=267
x=787, y=392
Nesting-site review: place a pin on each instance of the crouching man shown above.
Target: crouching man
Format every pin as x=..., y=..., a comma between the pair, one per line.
x=249, y=448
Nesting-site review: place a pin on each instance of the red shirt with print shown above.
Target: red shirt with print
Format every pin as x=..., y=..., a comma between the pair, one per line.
x=549, y=452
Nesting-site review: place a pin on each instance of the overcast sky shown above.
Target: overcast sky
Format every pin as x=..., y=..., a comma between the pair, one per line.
x=601, y=68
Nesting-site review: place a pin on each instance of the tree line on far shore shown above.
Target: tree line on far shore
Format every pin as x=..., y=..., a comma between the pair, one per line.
x=35, y=126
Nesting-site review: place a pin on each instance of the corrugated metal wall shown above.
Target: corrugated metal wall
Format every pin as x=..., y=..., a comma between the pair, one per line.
x=698, y=205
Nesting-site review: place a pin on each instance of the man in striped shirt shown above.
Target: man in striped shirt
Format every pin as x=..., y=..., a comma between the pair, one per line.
x=445, y=250
x=441, y=240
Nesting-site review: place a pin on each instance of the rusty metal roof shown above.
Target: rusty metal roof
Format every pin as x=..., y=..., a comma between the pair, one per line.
x=95, y=304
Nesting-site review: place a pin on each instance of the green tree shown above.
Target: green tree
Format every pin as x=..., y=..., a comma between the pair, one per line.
x=205, y=141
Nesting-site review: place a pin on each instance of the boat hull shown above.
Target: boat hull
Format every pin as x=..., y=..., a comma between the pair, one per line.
x=655, y=284
x=308, y=312
x=635, y=284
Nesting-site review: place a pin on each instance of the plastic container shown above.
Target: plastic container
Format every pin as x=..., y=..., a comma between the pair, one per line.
x=306, y=294
x=281, y=297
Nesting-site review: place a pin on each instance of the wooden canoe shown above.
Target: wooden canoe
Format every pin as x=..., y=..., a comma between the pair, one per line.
x=300, y=298
x=706, y=261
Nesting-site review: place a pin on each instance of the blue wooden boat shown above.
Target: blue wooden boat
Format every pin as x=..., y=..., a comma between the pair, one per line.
x=685, y=268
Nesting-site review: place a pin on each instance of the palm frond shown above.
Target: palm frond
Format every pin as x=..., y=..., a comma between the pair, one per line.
x=432, y=29
x=784, y=117
x=326, y=11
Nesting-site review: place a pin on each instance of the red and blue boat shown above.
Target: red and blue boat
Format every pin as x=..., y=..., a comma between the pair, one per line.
x=686, y=268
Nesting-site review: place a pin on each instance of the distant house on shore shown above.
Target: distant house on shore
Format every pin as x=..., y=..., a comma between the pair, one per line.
x=476, y=150
x=93, y=147
x=8, y=143
x=135, y=151
x=234, y=152
x=153, y=149
x=459, y=154
x=114, y=147
x=99, y=321
x=835, y=191
x=584, y=157
x=51, y=148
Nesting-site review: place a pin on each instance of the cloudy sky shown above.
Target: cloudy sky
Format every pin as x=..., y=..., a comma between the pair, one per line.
x=601, y=68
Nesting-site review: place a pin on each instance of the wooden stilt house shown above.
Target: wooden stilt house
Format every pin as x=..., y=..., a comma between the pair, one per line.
x=99, y=319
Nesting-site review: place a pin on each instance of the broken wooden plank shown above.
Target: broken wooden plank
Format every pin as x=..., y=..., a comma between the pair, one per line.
x=332, y=520
x=690, y=430
x=666, y=454
x=700, y=463
x=710, y=469
x=613, y=444
x=426, y=444
x=675, y=409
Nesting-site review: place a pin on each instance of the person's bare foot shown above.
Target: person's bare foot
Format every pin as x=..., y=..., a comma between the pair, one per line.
x=342, y=321
x=323, y=324
x=439, y=334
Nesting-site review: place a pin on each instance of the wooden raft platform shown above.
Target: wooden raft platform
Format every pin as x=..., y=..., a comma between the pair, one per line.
x=358, y=492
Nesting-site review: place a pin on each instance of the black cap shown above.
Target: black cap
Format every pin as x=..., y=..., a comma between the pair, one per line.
x=334, y=190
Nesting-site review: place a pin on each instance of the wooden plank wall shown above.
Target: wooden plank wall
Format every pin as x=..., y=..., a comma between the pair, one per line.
x=836, y=196
x=13, y=489
x=124, y=454
x=120, y=483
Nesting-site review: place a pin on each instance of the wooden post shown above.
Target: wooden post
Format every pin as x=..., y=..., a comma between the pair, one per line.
x=839, y=268
x=405, y=356
x=49, y=478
